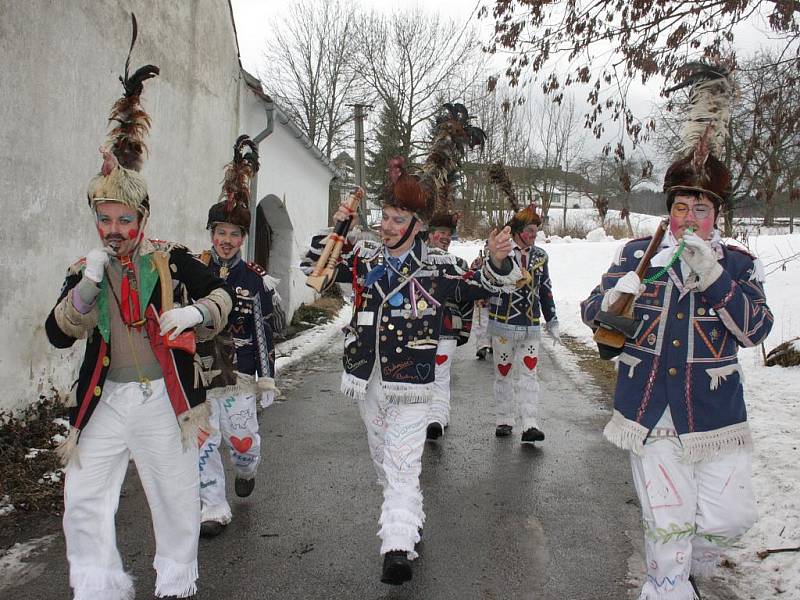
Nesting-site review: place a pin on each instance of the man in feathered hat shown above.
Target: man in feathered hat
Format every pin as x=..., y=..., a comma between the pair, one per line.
x=456, y=322
x=390, y=345
x=136, y=395
x=515, y=323
x=241, y=366
x=679, y=407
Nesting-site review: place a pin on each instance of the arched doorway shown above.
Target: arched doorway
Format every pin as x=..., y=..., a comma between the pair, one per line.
x=273, y=239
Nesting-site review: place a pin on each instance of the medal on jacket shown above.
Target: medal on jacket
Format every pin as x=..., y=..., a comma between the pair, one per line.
x=223, y=272
x=396, y=299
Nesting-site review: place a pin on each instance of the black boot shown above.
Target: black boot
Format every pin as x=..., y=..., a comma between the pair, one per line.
x=210, y=529
x=244, y=487
x=532, y=435
x=434, y=431
x=396, y=568
x=503, y=431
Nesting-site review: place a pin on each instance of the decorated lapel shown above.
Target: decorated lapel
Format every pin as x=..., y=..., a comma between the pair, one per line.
x=102, y=311
x=147, y=280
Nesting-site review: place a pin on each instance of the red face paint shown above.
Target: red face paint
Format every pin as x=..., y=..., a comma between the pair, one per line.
x=132, y=234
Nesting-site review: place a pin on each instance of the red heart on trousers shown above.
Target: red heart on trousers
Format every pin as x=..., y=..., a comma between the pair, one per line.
x=504, y=369
x=241, y=445
x=441, y=359
x=530, y=362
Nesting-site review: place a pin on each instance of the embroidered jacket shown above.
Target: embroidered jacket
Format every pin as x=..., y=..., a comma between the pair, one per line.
x=396, y=325
x=518, y=314
x=66, y=324
x=250, y=321
x=457, y=318
x=684, y=354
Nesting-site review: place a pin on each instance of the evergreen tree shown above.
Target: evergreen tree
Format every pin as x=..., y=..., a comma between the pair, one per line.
x=387, y=143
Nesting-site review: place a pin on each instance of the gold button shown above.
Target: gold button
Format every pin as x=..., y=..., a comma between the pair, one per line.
x=676, y=343
x=98, y=390
x=106, y=361
x=679, y=316
x=673, y=371
x=701, y=311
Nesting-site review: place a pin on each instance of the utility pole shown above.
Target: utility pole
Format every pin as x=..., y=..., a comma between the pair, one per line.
x=358, y=170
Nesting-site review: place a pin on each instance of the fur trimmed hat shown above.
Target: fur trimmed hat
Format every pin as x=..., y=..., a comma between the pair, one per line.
x=428, y=192
x=498, y=174
x=119, y=179
x=234, y=204
x=696, y=167
x=444, y=220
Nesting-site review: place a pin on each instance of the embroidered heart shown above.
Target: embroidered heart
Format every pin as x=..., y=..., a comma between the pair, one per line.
x=441, y=359
x=504, y=369
x=241, y=445
x=423, y=370
x=530, y=362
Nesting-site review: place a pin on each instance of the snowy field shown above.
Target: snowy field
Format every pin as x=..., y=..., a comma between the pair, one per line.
x=771, y=393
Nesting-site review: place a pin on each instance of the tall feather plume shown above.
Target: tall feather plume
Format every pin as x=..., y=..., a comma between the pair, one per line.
x=126, y=138
x=498, y=175
x=453, y=136
x=238, y=173
x=705, y=127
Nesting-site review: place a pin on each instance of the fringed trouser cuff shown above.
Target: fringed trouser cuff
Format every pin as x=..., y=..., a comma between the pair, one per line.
x=175, y=579
x=94, y=583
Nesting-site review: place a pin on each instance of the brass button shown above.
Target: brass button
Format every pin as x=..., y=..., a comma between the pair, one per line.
x=679, y=316
x=673, y=371
x=676, y=343
x=701, y=311
x=106, y=361
x=98, y=390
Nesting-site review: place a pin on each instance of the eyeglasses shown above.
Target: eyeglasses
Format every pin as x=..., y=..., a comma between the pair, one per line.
x=700, y=211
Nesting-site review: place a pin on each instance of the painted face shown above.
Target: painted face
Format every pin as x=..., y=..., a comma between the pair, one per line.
x=526, y=237
x=118, y=227
x=440, y=238
x=227, y=239
x=394, y=224
x=690, y=210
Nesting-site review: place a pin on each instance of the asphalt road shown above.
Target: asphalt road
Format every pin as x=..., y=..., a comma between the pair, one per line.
x=558, y=521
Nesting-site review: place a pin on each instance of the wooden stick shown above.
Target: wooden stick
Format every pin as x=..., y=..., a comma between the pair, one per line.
x=762, y=554
x=624, y=304
x=323, y=272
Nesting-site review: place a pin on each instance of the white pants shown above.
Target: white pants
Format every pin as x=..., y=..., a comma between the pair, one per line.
x=440, y=403
x=516, y=384
x=125, y=426
x=690, y=511
x=480, y=327
x=234, y=421
x=396, y=437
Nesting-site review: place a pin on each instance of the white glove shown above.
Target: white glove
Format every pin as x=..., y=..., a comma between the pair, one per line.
x=551, y=327
x=96, y=262
x=267, y=398
x=627, y=284
x=179, y=320
x=702, y=259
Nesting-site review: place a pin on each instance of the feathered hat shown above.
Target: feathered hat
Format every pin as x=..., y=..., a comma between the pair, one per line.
x=427, y=193
x=697, y=167
x=234, y=200
x=522, y=217
x=119, y=179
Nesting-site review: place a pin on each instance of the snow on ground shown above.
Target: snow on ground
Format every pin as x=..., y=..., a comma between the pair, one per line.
x=309, y=341
x=15, y=565
x=771, y=393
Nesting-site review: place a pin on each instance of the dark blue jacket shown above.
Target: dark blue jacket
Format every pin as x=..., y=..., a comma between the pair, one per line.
x=685, y=353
